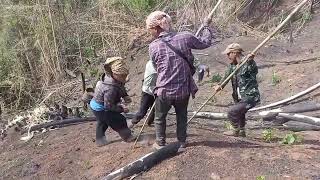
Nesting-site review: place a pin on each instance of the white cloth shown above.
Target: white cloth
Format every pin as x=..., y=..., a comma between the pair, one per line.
x=150, y=78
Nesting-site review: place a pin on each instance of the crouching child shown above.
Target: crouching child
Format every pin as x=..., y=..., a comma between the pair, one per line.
x=245, y=88
x=106, y=102
x=201, y=70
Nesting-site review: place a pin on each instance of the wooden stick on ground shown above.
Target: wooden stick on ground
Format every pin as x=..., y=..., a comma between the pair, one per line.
x=245, y=59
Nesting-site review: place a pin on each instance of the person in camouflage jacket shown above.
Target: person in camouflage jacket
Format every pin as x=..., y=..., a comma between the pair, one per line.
x=245, y=89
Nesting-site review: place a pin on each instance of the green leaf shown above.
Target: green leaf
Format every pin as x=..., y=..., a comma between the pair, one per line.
x=291, y=138
x=261, y=178
x=268, y=135
x=216, y=78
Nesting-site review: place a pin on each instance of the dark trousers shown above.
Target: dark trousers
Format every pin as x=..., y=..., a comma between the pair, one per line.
x=237, y=113
x=162, y=108
x=146, y=102
x=113, y=119
x=200, y=76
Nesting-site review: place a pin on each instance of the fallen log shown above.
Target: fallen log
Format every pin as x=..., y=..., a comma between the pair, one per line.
x=301, y=118
x=145, y=163
x=65, y=122
x=292, y=109
x=272, y=114
x=278, y=116
x=299, y=126
x=54, y=124
x=305, y=92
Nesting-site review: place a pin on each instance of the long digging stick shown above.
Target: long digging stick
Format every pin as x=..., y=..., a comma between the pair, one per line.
x=246, y=58
x=144, y=124
x=197, y=33
x=210, y=16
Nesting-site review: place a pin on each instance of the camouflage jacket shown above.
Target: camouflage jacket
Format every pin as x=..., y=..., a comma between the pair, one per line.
x=244, y=82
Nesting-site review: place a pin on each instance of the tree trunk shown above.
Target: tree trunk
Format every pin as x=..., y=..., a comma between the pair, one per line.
x=271, y=114
x=144, y=163
x=301, y=118
x=299, y=126
x=307, y=91
x=70, y=121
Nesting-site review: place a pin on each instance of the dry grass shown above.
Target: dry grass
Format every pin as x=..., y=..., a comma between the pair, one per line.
x=51, y=37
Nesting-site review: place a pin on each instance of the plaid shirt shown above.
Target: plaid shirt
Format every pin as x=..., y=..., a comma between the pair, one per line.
x=174, y=79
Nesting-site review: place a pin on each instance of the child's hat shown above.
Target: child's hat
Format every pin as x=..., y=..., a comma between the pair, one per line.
x=117, y=65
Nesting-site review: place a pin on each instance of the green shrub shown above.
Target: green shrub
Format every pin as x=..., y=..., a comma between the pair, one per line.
x=291, y=138
x=216, y=78
x=261, y=178
x=275, y=79
x=268, y=135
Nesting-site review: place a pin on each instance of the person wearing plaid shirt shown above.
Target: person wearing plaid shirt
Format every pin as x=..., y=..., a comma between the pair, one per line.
x=174, y=83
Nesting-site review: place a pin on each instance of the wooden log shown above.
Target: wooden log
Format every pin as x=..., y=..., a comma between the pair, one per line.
x=272, y=114
x=305, y=92
x=292, y=109
x=301, y=118
x=299, y=126
x=70, y=121
x=144, y=163
x=59, y=123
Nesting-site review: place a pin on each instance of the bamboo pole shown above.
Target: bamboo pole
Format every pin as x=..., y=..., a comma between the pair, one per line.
x=246, y=58
x=144, y=124
x=209, y=16
x=302, y=93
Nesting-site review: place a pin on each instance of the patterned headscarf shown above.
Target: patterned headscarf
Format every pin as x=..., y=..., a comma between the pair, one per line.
x=117, y=65
x=234, y=47
x=159, y=18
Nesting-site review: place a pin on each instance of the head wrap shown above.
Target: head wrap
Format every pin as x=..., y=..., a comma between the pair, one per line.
x=234, y=47
x=117, y=65
x=159, y=18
